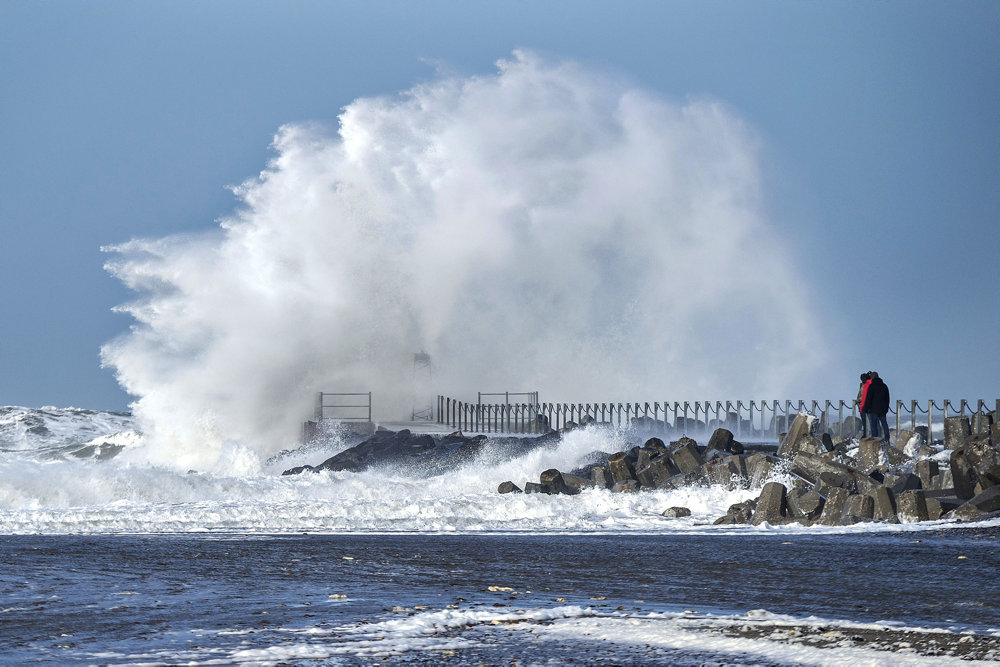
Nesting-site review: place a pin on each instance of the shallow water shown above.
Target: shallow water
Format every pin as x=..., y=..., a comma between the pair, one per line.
x=405, y=597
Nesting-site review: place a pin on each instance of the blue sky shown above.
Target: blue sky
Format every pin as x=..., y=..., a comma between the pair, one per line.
x=877, y=120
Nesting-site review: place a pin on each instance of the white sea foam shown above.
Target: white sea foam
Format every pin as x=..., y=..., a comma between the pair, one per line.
x=61, y=486
x=546, y=228
x=683, y=634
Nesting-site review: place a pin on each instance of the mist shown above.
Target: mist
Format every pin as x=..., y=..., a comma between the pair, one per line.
x=544, y=228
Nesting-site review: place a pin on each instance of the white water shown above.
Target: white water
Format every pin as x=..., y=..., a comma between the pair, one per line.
x=46, y=486
x=547, y=228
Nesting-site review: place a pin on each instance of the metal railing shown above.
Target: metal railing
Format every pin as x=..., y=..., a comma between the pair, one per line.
x=344, y=407
x=752, y=420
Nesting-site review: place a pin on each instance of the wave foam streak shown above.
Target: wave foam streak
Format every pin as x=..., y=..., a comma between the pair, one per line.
x=547, y=227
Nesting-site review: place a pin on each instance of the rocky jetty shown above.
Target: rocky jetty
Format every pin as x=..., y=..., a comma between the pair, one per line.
x=424, y=453
x=834, y=482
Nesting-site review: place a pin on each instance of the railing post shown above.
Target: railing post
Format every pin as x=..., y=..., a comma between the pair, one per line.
x=899, y=408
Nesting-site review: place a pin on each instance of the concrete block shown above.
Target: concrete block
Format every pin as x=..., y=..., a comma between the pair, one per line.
x=926, y=470
x=686, y=456
x=833, y=508
x=905, y=482
x=870, y=454
x=759, y=467
x=911, y=507
x=657, y=471
x=963, y=475
x=577, y=483
x=859, y=505
x=984, y=503
x=884, y=505
x=984, y=457
x=554, y=483
x=722, y=440
x=934, y=509
x=811, y=467
x=806, y=505
x=956, y=429
x=800, y=428
x=621, y=468
x=771, y=505
x=601, y=477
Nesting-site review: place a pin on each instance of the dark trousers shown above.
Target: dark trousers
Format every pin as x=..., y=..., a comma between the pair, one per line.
x=879, y=426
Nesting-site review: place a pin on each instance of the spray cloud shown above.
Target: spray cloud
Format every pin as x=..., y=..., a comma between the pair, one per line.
x=543, y=228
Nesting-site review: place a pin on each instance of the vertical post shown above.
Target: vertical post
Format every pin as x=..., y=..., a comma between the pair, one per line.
x=930, y=421
x=840, y=417
x=319, y=407
x=369, y=407
x=899, y=409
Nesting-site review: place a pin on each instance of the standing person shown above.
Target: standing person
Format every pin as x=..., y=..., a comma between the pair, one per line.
x=862, y=389
x=877, y=405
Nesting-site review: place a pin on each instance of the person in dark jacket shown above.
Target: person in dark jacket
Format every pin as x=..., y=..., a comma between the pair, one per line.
x=876, y=404
x=860, y=401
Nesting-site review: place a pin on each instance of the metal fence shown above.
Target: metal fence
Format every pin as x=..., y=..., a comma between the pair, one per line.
x=750, y=420
x=344, y=407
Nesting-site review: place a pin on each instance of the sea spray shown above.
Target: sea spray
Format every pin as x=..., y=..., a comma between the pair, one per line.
x=548, y=227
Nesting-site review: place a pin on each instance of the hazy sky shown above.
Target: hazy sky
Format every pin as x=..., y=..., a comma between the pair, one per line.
x=877, y=125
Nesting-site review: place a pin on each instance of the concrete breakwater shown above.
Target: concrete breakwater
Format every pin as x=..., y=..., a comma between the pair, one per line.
x=825, y=480
x=835, y=482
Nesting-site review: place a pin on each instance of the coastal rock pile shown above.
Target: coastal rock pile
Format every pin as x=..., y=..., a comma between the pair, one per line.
x=423, y=453
x=834, y=482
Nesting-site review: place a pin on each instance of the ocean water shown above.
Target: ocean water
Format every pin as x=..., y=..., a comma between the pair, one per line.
x=109, y=560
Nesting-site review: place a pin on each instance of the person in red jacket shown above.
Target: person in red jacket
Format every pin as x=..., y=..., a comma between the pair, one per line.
x=862, y=390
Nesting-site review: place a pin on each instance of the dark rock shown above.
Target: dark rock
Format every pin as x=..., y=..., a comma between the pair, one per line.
x=509, y=487
x=742, y=513
x=657, y=445
x=298, y=469
x=771, y=505
x=737, y=447
x=676, y=512
x=534, y=487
